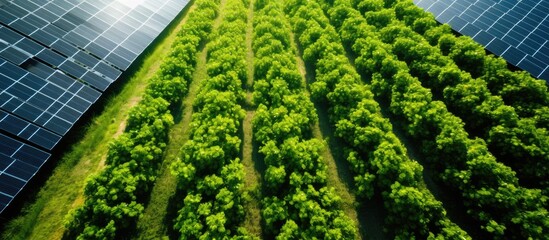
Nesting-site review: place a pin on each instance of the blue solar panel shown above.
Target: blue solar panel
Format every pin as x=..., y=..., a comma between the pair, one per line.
x=470, y=30
x=499, y=29
x=513, y=55
x=51, y=57
x=28, y=131
x=543, y=51
x=14, y=55
x=515, y=30
x=19, y=162
x=6, y=17
x=56, y=59
x=483, y=38
x=532, y=65
x=29, y=46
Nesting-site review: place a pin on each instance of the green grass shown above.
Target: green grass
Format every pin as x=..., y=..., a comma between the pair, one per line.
x=42, y=217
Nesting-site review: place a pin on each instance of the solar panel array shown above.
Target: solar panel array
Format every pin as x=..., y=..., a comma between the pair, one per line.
x=56, y=59
x=516, y=30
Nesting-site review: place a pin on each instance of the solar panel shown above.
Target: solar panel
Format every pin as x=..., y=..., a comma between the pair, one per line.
x=513, y=55
x=28, y=131
x=56, y=59
x=483, y=38
x=19, y=162
x=515, y=30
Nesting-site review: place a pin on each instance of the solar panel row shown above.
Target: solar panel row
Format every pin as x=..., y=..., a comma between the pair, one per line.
x=516, y=30
x=56, y=59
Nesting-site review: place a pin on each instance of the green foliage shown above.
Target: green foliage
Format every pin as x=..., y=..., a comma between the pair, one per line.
x=297, y=204
x=468, y=55
x=209, y=172
x=438, y=86
x=376, y=156
x=481, y=90
x=114, y=198
x=454, y=79
x=488, y=188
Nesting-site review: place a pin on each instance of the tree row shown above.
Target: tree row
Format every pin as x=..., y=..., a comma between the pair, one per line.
x=115, y=198
x=209, y=172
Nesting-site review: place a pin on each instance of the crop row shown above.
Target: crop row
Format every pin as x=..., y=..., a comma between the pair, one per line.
x=297, y=203
x=115, y=198
x=514, y=141
x=209, y=172
x=489, y=189
x=377, y=157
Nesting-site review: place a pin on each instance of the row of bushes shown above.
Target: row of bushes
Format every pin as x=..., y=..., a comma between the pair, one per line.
x=377, y=157
x=489, y=189
x=209, y=172
x=115, y=198
x=297, y=203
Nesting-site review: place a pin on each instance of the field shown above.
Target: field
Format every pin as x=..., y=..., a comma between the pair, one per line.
x=343, y=119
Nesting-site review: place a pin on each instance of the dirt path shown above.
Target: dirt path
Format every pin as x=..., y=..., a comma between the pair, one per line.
x=252, y=177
